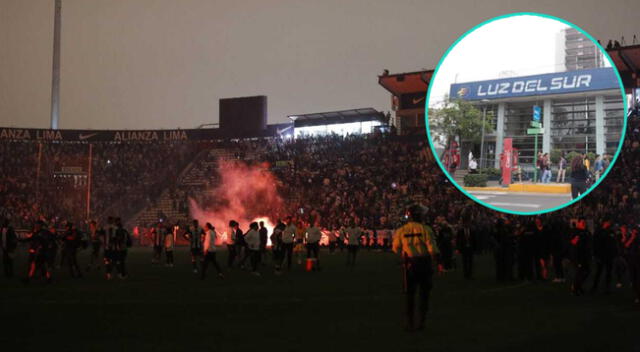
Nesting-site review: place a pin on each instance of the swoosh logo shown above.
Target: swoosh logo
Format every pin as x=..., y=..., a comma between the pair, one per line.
x=416, y=101
x=86, y=136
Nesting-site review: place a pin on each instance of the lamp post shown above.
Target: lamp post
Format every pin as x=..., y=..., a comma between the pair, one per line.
x=484, y=117
x=55, y=72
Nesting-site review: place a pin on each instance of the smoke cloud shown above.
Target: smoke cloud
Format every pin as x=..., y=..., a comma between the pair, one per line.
x=245, y=193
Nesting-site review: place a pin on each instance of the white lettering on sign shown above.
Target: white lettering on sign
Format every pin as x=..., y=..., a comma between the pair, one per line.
x=534, y=85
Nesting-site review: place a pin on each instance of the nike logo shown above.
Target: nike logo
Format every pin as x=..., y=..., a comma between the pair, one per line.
x=86, y=136
x=416, y=101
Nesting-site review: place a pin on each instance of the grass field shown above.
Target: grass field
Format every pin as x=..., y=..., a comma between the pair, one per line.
x=360, y=309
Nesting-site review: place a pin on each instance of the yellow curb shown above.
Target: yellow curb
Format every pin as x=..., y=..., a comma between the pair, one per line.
x=539, y=188
x=528, y=188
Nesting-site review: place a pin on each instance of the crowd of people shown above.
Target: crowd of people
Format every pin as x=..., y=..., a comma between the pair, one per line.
x=49, y=181
x=348, y=190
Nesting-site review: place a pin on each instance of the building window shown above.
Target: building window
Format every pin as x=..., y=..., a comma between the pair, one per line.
x=613, y=122
x=517, y=119
x=573, y=125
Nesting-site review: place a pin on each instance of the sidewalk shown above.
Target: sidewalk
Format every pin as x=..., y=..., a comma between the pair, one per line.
x=527, y=187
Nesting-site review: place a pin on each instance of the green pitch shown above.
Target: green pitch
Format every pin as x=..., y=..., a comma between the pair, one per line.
x=361, y=309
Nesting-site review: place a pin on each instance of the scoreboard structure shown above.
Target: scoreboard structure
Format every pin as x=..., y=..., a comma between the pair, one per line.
x=243, y=116
x=408, y=99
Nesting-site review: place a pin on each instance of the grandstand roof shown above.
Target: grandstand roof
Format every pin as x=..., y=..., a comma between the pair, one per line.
x=627, y=60
x=334, y=117
x=405, y=83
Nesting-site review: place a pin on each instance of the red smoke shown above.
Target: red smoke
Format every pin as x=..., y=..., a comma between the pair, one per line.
x=245, y=193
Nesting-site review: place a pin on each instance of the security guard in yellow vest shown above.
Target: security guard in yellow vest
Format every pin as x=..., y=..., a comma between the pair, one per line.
x=415, y=242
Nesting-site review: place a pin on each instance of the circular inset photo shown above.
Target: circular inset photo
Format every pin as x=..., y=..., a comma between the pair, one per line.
x=526, y=113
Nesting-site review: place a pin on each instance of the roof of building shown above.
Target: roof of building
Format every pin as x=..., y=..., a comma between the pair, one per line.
x=405, y=83
x=335, y=117
x=627, y=60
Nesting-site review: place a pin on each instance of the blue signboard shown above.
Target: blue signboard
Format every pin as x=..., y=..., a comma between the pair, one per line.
x=544, y=84
x=536, y=113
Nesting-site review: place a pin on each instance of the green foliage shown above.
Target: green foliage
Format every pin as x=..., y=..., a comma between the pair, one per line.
x=475, y=180
x=555, y=156
x=460, y=118
x=570, y=157
x=490, y=171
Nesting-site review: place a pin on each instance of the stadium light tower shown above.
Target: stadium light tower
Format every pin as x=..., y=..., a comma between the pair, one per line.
x=55, y=74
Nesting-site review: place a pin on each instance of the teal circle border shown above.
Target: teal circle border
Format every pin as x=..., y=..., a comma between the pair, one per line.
x=622, y=135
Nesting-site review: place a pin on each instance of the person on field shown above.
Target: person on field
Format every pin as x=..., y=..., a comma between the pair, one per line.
x=253, y=247
x=313, y=243
x=194, y=235
x=415, y=243
x=210, y=238
x=353, y=233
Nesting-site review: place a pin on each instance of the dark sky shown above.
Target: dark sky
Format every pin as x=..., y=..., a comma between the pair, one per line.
x=165, y=63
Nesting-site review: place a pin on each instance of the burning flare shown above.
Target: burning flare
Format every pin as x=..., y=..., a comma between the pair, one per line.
x=245, y=193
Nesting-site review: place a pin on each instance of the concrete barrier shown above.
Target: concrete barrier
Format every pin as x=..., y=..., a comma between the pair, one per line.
x=526, y=188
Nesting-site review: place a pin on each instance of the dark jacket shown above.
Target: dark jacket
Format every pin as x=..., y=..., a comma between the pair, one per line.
x=604, y=244
x=263, y=237
x=579, y=175
x=72, y=240
x=580, y=246
x=464, y=244
x=8, y=239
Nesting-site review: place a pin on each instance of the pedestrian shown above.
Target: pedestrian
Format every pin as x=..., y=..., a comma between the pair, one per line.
x=562, y=169
x=598, y=167
x=579, y=175
x=546, y=168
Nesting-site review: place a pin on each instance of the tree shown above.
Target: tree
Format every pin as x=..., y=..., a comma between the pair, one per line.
x=555, y=155
x=459, y=119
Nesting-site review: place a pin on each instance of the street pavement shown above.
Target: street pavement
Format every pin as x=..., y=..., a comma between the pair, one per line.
x=522, y=202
